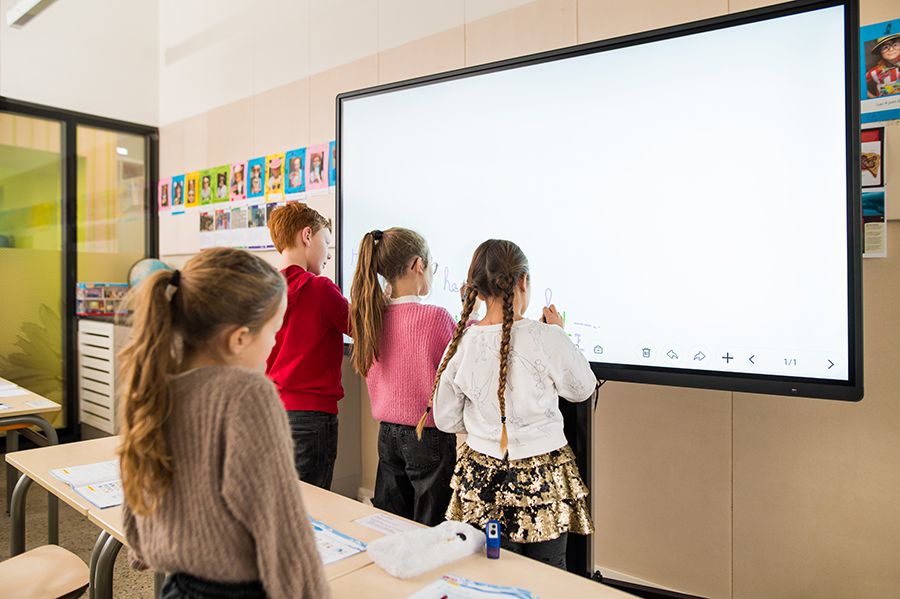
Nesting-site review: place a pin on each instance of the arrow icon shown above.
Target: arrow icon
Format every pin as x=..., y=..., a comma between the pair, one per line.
x=830, y=364
x=751, y=359
x=672, y=355
x=699, y=356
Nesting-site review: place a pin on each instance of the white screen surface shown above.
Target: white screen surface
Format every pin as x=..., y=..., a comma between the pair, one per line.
x=683, y=201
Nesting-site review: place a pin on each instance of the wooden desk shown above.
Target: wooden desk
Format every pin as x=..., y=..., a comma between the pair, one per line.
x=18, y=419
x=35, y=466
x=510, y=570
x=339, y=512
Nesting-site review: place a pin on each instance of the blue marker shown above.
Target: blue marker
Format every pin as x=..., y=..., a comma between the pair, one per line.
x=492, y=532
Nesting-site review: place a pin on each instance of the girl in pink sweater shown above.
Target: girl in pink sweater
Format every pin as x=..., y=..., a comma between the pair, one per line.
x=398, y=343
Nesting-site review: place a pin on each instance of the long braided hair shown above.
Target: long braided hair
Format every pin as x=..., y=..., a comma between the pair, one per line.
x=497, y=266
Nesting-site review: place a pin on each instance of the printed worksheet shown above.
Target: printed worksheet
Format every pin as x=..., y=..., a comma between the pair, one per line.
x=103, y=495
x=455, y=587
x=334, y=545
x=386, y=523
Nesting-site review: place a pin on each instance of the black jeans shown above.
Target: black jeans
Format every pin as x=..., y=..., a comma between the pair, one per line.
x=413, y=477
x=315, y=445
x=185, y=586
x=550, y=552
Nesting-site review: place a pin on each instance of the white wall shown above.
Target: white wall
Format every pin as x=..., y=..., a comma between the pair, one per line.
x=214, y=52
x=93, y=56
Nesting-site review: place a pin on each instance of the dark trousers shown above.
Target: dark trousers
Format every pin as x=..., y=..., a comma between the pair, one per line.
x=413, y=478
x=185, y=586
x=315, y=445
x=550, y=552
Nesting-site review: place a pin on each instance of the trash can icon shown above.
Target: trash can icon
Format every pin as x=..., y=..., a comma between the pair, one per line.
x=646, y=352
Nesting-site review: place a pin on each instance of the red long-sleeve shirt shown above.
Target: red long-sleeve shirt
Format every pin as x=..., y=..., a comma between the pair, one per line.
x=305, y=363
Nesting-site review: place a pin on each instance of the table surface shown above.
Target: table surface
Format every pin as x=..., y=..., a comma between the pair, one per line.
x=351, y=577
x=37, y=464
x=510, y=570
x=17, y=403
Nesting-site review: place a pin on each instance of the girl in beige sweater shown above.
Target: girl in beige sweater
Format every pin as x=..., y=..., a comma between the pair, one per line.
x=211, y=494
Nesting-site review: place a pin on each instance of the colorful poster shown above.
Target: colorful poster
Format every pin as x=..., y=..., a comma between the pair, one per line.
x=206, y=186
x=163, y=195
x=296, y=171
x=191, y=191
x=874, y=224
x=332, y=164
x=872, y=157
x=223, y=220
x=274, y=177
x=239, y=218
x=879, y=58
x=316, y=173
x=221, y=193
x=256, y=171
x=207, y=221
x=178, y=194
x=238, y=177
x=257, y=215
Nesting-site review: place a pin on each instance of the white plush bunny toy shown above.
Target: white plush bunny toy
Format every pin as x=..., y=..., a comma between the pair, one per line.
x=408, y=554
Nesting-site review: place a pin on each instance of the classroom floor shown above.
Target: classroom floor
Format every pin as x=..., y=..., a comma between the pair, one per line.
x=75, y=534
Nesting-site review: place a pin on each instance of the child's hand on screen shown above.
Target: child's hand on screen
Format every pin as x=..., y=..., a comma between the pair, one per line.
x=552, y=316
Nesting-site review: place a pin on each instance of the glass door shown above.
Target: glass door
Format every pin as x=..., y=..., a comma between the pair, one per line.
x=31, y=255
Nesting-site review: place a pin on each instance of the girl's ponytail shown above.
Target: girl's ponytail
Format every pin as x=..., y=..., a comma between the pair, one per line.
x=368, y=304
x=146, y=365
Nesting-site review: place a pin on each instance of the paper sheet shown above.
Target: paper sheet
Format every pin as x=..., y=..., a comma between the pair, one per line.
x=13, y=392
x=386, y=523
x=455, y=587
x=79, y=476
x=41, y=403
x=334, y=545
x=103, y=495
x=3, y=406
x=7, y=385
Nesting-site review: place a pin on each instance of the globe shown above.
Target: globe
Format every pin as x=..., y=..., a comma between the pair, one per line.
x=142, y=269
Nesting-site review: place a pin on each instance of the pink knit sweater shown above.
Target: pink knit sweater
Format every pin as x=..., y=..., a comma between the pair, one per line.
x=412, y=344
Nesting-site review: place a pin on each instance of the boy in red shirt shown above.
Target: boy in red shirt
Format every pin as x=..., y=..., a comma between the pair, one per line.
x=305, y=363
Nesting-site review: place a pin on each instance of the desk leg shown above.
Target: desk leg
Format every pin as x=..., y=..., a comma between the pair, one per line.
x=105, y=564
x=52, y=519
x=17, y=516
x=158, y=580
x=95, y=555
x=12, y=444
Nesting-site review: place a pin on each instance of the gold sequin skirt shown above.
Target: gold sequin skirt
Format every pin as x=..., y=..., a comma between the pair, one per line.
x=535, y=499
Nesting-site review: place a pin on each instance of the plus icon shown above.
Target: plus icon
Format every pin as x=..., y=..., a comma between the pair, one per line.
x=728, y=357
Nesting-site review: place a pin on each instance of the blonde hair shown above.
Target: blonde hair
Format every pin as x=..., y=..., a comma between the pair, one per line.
x=386, y=253
x=176, y=313
x=288, y=220
x=496, y=268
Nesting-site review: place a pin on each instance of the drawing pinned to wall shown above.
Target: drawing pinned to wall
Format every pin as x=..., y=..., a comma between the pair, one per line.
x=257, y=216
x=221, y=193
x=206, y=186
x=879, y=56
x=332, y=164
x=296, y=175
x=178, y=194
x=316, y=174
x=207, y=222
x=238, y=177
x=872, y=157
x=207, y=229
x=874, y=225
x=256, y=173
x=163, y=195
x=191, y=191
x=274, y=177
x=223, y=220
